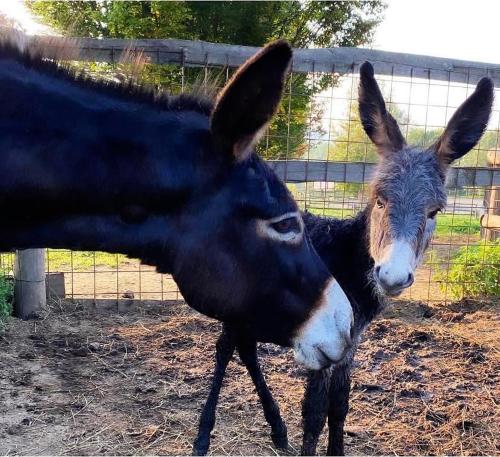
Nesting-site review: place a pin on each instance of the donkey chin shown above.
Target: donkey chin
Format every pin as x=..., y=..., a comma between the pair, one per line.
x=325, y=339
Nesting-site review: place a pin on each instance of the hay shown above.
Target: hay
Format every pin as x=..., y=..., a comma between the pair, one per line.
x=425, y=382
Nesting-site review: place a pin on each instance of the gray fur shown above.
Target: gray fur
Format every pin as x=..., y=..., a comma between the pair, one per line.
x=411, y=183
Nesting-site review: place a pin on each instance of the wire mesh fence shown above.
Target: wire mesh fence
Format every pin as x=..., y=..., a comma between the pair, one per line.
x=317, y=145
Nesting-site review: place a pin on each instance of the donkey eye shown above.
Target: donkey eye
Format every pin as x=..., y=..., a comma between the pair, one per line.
x=380, y=204
x=433, y=214
x=287, y=228
x=290, y=224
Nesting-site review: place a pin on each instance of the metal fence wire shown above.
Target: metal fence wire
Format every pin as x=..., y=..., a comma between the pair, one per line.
x=317, y=145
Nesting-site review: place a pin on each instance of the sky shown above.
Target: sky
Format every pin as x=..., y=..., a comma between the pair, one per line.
x=460, y=29
x=15, y=9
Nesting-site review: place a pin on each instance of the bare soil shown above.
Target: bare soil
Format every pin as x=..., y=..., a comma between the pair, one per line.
x=81, y=381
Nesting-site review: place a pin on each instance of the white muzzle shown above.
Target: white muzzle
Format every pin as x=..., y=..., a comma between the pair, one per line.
x=326, y=336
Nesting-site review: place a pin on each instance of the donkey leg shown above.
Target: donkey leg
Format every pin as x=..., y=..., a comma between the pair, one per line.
x=247, y=349
x=224, y=351
x=314, y=409
x=340, y=384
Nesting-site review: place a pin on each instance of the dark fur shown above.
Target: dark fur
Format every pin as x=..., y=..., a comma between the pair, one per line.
x=467, y=124
x=342, y=244
x=378, y=123
x=412, y=182
x=98, y=166
x=251, y=82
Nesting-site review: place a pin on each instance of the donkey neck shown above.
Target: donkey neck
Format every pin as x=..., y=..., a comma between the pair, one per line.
x=343, y=245
x=71, y=145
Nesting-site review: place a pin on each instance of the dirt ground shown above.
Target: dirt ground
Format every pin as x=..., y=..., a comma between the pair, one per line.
x=92, y=381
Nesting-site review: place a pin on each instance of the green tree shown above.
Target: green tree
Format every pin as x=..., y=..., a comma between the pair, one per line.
x=303, y=23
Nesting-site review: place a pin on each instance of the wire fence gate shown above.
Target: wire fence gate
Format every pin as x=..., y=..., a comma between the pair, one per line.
x=317, y=146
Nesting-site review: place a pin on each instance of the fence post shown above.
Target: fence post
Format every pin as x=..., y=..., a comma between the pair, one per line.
x=29, y=283
x=490, y=221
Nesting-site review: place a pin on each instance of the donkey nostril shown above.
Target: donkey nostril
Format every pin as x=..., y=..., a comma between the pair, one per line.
x=410, y=279
x=377, y=271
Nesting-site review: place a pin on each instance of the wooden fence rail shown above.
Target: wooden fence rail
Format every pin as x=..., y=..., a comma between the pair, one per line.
x=327, y=60
x=296, y=171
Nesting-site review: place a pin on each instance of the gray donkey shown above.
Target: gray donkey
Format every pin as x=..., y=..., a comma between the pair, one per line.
x=372, y=255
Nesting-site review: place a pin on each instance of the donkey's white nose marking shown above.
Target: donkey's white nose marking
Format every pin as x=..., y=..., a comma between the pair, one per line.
x=398, y=263
x=326, y=335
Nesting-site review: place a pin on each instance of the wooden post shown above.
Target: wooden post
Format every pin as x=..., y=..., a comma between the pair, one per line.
x=29, y=283
x=490, y=221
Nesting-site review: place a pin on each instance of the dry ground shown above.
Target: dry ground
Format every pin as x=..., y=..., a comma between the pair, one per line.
x=81, y=381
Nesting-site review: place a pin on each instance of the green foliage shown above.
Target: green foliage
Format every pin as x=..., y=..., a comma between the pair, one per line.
x=418, y=136
x=474, y=271
x=453, y=224
x=303, y=23
x=475, y=158
x=6, y=295
x=352, y=144
x=332, y=212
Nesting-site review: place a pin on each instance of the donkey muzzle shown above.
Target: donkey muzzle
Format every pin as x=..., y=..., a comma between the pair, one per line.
x=390, y=286
x=325, y=338
x=396, y=270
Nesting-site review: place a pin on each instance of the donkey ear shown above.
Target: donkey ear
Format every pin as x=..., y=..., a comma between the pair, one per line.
x=467, y=125
x=250, y=99
x=378, y=123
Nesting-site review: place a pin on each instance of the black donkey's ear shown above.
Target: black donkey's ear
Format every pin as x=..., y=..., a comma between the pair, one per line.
x=250, y=99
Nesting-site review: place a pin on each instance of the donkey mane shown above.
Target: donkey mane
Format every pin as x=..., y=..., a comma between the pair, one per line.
x=129, y=91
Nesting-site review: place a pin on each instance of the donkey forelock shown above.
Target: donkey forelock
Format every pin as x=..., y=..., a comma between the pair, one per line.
x=412, y=182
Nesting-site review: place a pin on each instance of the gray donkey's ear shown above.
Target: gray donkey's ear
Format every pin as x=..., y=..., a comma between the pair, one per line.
x=467, y=125
x=377, y=122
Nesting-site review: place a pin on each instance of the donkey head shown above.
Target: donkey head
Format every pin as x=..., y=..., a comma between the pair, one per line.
x=175, y=182
x=408, y=189
x=246, y=258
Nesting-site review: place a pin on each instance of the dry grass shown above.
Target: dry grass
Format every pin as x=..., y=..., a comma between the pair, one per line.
x=76, y=382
